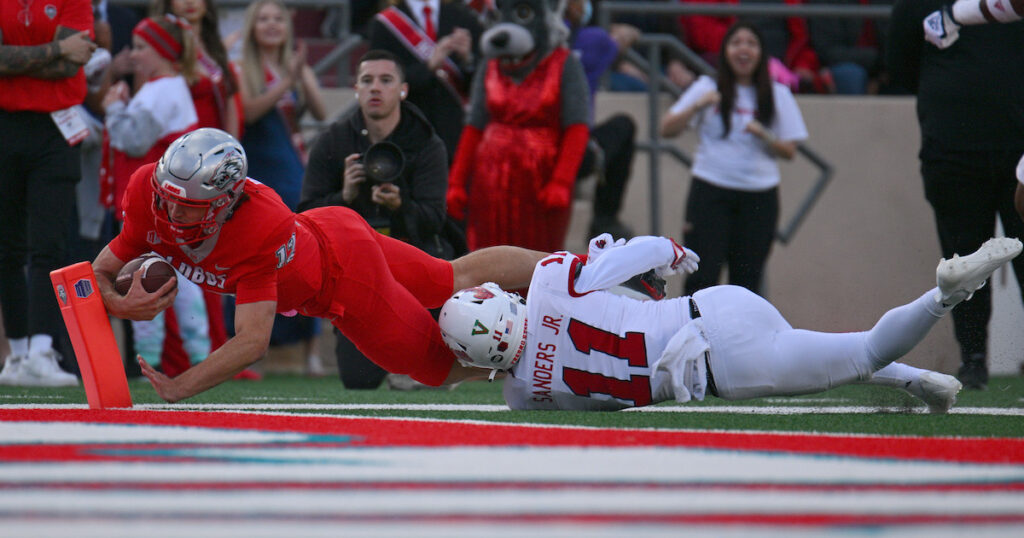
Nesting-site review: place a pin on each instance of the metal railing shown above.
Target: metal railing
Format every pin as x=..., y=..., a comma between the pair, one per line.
x=655, y=44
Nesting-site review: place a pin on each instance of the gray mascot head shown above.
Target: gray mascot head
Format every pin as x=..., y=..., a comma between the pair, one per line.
x=526, y=32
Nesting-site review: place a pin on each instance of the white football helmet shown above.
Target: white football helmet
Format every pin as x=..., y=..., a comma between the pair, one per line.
x=485, y=326
x=204, y=168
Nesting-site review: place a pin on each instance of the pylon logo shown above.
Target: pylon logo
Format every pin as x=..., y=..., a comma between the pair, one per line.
x=62, y=294
x=83, y=288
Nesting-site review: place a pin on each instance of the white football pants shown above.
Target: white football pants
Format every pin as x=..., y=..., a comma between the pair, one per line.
x=754, y=352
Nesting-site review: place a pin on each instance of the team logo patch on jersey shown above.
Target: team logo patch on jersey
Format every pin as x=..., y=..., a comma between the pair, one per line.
x=478, y=328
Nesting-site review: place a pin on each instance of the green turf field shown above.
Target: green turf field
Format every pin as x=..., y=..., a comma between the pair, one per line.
x=887, y=411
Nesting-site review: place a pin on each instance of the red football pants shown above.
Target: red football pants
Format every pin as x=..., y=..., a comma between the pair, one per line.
x=379, y=290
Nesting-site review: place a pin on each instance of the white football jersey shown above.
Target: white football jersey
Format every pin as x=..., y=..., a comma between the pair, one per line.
x=607, y=345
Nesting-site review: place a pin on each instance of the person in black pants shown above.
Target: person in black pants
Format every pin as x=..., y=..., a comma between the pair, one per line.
x=615, y=138
x=970, y=106
x=41, y=59
x=409, y=206
x=745, y=122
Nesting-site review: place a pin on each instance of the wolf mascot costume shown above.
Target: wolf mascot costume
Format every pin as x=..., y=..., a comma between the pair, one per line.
x=515, y=167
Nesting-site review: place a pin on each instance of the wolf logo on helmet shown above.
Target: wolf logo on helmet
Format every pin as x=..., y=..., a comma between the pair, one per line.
x=230, y=171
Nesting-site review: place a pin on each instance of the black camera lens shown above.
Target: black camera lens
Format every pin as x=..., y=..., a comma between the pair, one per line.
x=383, y=162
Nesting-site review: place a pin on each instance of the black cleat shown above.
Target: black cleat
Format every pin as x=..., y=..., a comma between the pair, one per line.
x=974, y=373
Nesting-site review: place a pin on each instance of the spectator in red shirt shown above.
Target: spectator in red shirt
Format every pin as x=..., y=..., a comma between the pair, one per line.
x=43, y=46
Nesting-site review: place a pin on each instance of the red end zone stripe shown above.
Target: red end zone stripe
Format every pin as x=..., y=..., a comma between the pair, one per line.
x=523, y=521
x=423, y=433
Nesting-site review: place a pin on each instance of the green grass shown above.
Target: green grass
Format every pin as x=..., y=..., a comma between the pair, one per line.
x=1003, y=392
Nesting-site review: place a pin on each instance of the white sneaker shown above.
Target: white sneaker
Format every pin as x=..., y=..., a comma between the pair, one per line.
x=315, y=367
x=958, y=278
x=40, y=369
x=11, y=374
x=937, y=390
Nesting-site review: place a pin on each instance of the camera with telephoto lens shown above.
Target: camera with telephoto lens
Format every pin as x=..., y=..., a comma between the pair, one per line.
x=383, y=162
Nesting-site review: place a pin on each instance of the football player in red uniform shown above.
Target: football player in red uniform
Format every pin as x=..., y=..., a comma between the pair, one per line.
x=231, y=234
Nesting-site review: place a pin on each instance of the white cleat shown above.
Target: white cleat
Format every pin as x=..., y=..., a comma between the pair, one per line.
x=40, y=369
x=959, y=277
x=11, y=374
x=938, y=391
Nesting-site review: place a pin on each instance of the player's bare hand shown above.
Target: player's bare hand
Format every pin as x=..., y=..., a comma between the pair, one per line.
x=354, y=176
x=387, y=195
x=139, y=304
x=77, y=48
x=163, y=384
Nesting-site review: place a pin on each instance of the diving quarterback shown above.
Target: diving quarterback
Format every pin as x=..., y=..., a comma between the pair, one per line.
x=233, y=235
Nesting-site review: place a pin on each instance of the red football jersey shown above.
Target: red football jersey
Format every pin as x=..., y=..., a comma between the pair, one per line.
x=262, y=254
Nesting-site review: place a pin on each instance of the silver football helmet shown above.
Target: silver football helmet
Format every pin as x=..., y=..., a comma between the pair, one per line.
x=485, y=326
x=205, y=168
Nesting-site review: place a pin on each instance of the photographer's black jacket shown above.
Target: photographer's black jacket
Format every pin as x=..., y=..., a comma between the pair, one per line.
x=423, y=183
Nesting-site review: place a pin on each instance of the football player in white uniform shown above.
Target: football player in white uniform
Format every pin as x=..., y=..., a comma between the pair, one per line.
x=576, y=345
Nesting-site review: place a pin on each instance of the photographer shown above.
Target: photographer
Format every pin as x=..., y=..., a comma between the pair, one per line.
x=407, y=204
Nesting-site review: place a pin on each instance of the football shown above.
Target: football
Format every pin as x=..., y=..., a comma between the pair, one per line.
x=156, y=271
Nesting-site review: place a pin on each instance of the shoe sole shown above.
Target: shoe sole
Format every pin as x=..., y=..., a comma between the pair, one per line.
x=974, y=269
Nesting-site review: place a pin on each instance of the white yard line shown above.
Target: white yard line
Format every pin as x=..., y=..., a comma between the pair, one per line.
x=748, y=410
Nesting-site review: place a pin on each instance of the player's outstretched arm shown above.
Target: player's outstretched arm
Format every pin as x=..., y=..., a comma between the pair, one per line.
x=138, y=304
x=508, y=267
x=253, y=322
x=638, y=255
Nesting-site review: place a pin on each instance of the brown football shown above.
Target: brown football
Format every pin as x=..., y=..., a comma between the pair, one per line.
x=156, y=271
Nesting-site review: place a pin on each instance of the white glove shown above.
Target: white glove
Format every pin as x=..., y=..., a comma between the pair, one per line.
x=95, y=67
x=601, y=244
x=685, y=261
x=940, y=29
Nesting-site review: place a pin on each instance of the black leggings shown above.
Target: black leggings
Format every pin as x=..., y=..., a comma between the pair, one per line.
x=616, y=137
x=38, y=173
x=729, y=228
x=967, y=192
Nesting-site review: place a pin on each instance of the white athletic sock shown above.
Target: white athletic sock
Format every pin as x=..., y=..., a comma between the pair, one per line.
x=40, y=342
x=902, y=328
x=896, y=375
x=19, y=346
